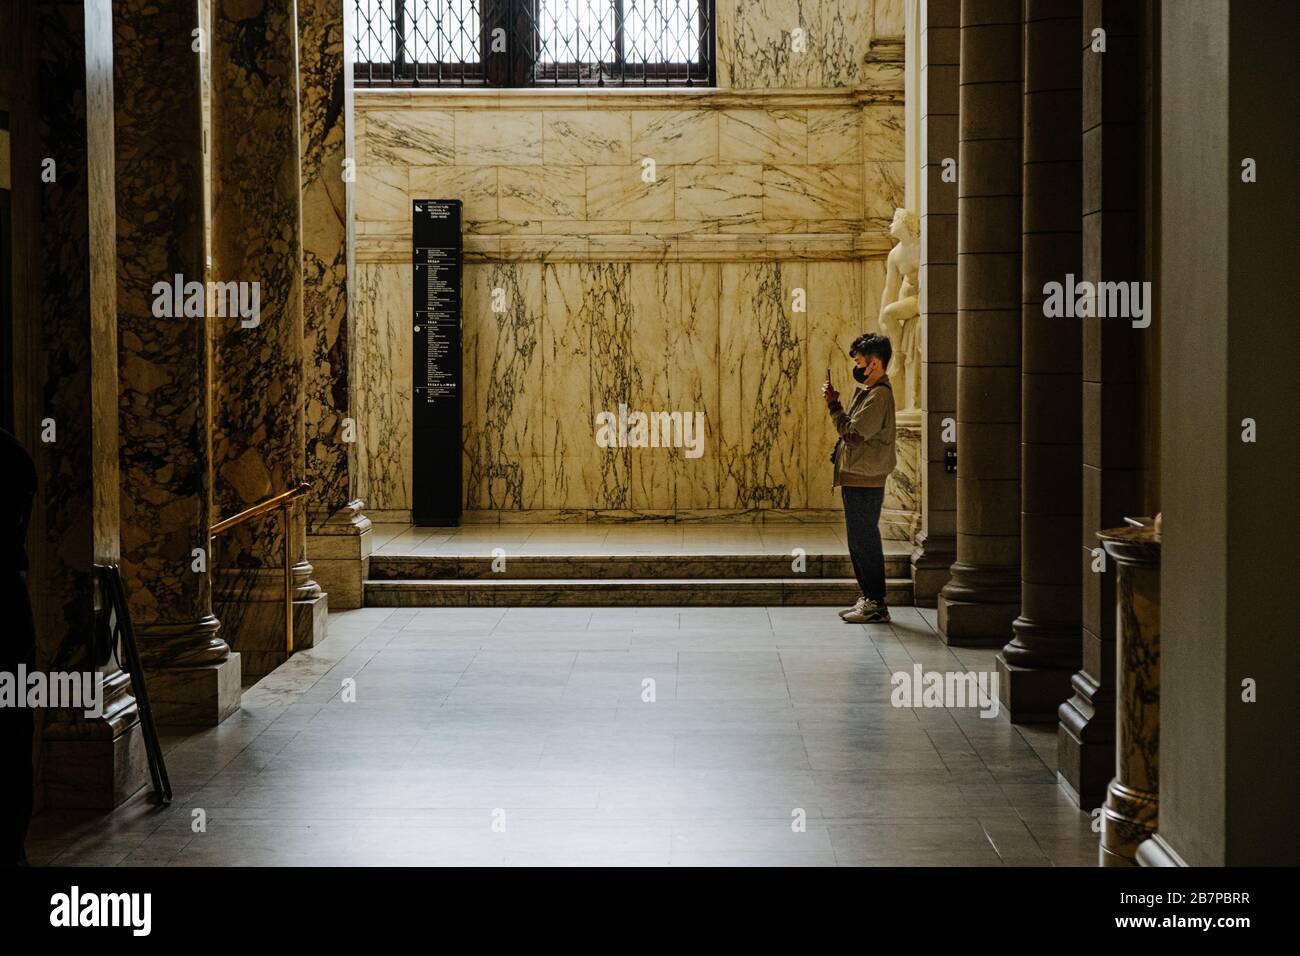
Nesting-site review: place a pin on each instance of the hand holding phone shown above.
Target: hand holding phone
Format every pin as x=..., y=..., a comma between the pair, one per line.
x=828, y=393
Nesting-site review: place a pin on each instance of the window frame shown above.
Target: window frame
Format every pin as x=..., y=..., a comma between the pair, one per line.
x=521, y=68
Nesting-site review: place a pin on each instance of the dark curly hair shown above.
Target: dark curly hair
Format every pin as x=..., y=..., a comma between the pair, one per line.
x=868, y=344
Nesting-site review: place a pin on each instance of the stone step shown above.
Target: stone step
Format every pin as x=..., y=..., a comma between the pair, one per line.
x=622, y=566
x=625, y=592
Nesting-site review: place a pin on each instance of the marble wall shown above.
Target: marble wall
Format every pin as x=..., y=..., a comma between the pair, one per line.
x=259, y=444
x=684, y=251
x=57, y=61
x=325, y=199
x=841, y=41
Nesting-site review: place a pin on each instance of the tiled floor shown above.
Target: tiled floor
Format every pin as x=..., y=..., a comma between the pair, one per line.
x=514, y=736
x=618, y=538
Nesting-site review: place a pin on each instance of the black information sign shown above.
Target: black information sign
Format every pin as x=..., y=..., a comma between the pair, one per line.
x=436, y=362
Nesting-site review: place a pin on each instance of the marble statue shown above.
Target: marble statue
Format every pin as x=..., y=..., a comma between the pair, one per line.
x=900, y=312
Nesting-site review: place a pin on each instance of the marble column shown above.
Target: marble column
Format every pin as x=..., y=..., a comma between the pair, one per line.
x=259, y=442
x=939, y=46
x=1114, y=238
x=1036, y=665
x=982, y=598
x=1229, y=267
x=338, y=534
x=1131, y=811
x=58, y=58
x=164, y=375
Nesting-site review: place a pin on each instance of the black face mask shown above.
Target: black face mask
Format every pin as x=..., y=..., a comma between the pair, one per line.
x=859, y=374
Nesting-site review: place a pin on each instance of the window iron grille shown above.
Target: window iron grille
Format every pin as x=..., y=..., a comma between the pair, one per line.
x=533, y=42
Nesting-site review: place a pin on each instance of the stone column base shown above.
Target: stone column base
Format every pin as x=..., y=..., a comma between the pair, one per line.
x=975, y=624
x=251, y=606
x=1156, y=852
x=932, y=568
x=95, y=763
x=1085, y=747
x=250, y=603
x=257, y=629
x=200, y=696
x=1032, y=695
x=339, y=547
x=310, y=621
x=1128, y=818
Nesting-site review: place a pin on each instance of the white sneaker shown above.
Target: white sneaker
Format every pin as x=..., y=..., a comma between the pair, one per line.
x=870, y=613
x=862, y=602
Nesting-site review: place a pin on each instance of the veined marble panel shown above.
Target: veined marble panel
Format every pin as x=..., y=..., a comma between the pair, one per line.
x=763, y=136
x=498, y=137
x=835, y=319
x=873, y=273
x=656, y=297
x=812, y=192
x=889, y=18
x=726, y=195
x=835, y=135
x=884, y=190
x=383, y=306
x=619, y=192
x=541, y=193
x=693, y=380
x=675, y=137
x=586, y=137
x=588, y=367
x=762, y=368
x=409, y=137
x=474, y=186
x=502, y=345
x=756, y=47
x=383, y=193
x=883, y=133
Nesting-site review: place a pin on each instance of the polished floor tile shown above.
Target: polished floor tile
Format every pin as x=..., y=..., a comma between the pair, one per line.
x=598, y=736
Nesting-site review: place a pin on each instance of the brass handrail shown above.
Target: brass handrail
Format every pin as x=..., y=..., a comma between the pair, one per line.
x=262, y=507
x=279, y=503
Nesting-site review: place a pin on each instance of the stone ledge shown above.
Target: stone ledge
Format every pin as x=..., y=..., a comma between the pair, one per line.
x=735, y=247
x=883, y=87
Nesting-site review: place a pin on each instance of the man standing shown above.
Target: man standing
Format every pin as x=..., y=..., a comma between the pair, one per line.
x=864, y=458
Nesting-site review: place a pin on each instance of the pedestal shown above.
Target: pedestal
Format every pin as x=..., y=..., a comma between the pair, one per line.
x=200, y=696
x=95, y=763
x=1131, y=812
x=340, y=547
x=900, y=516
